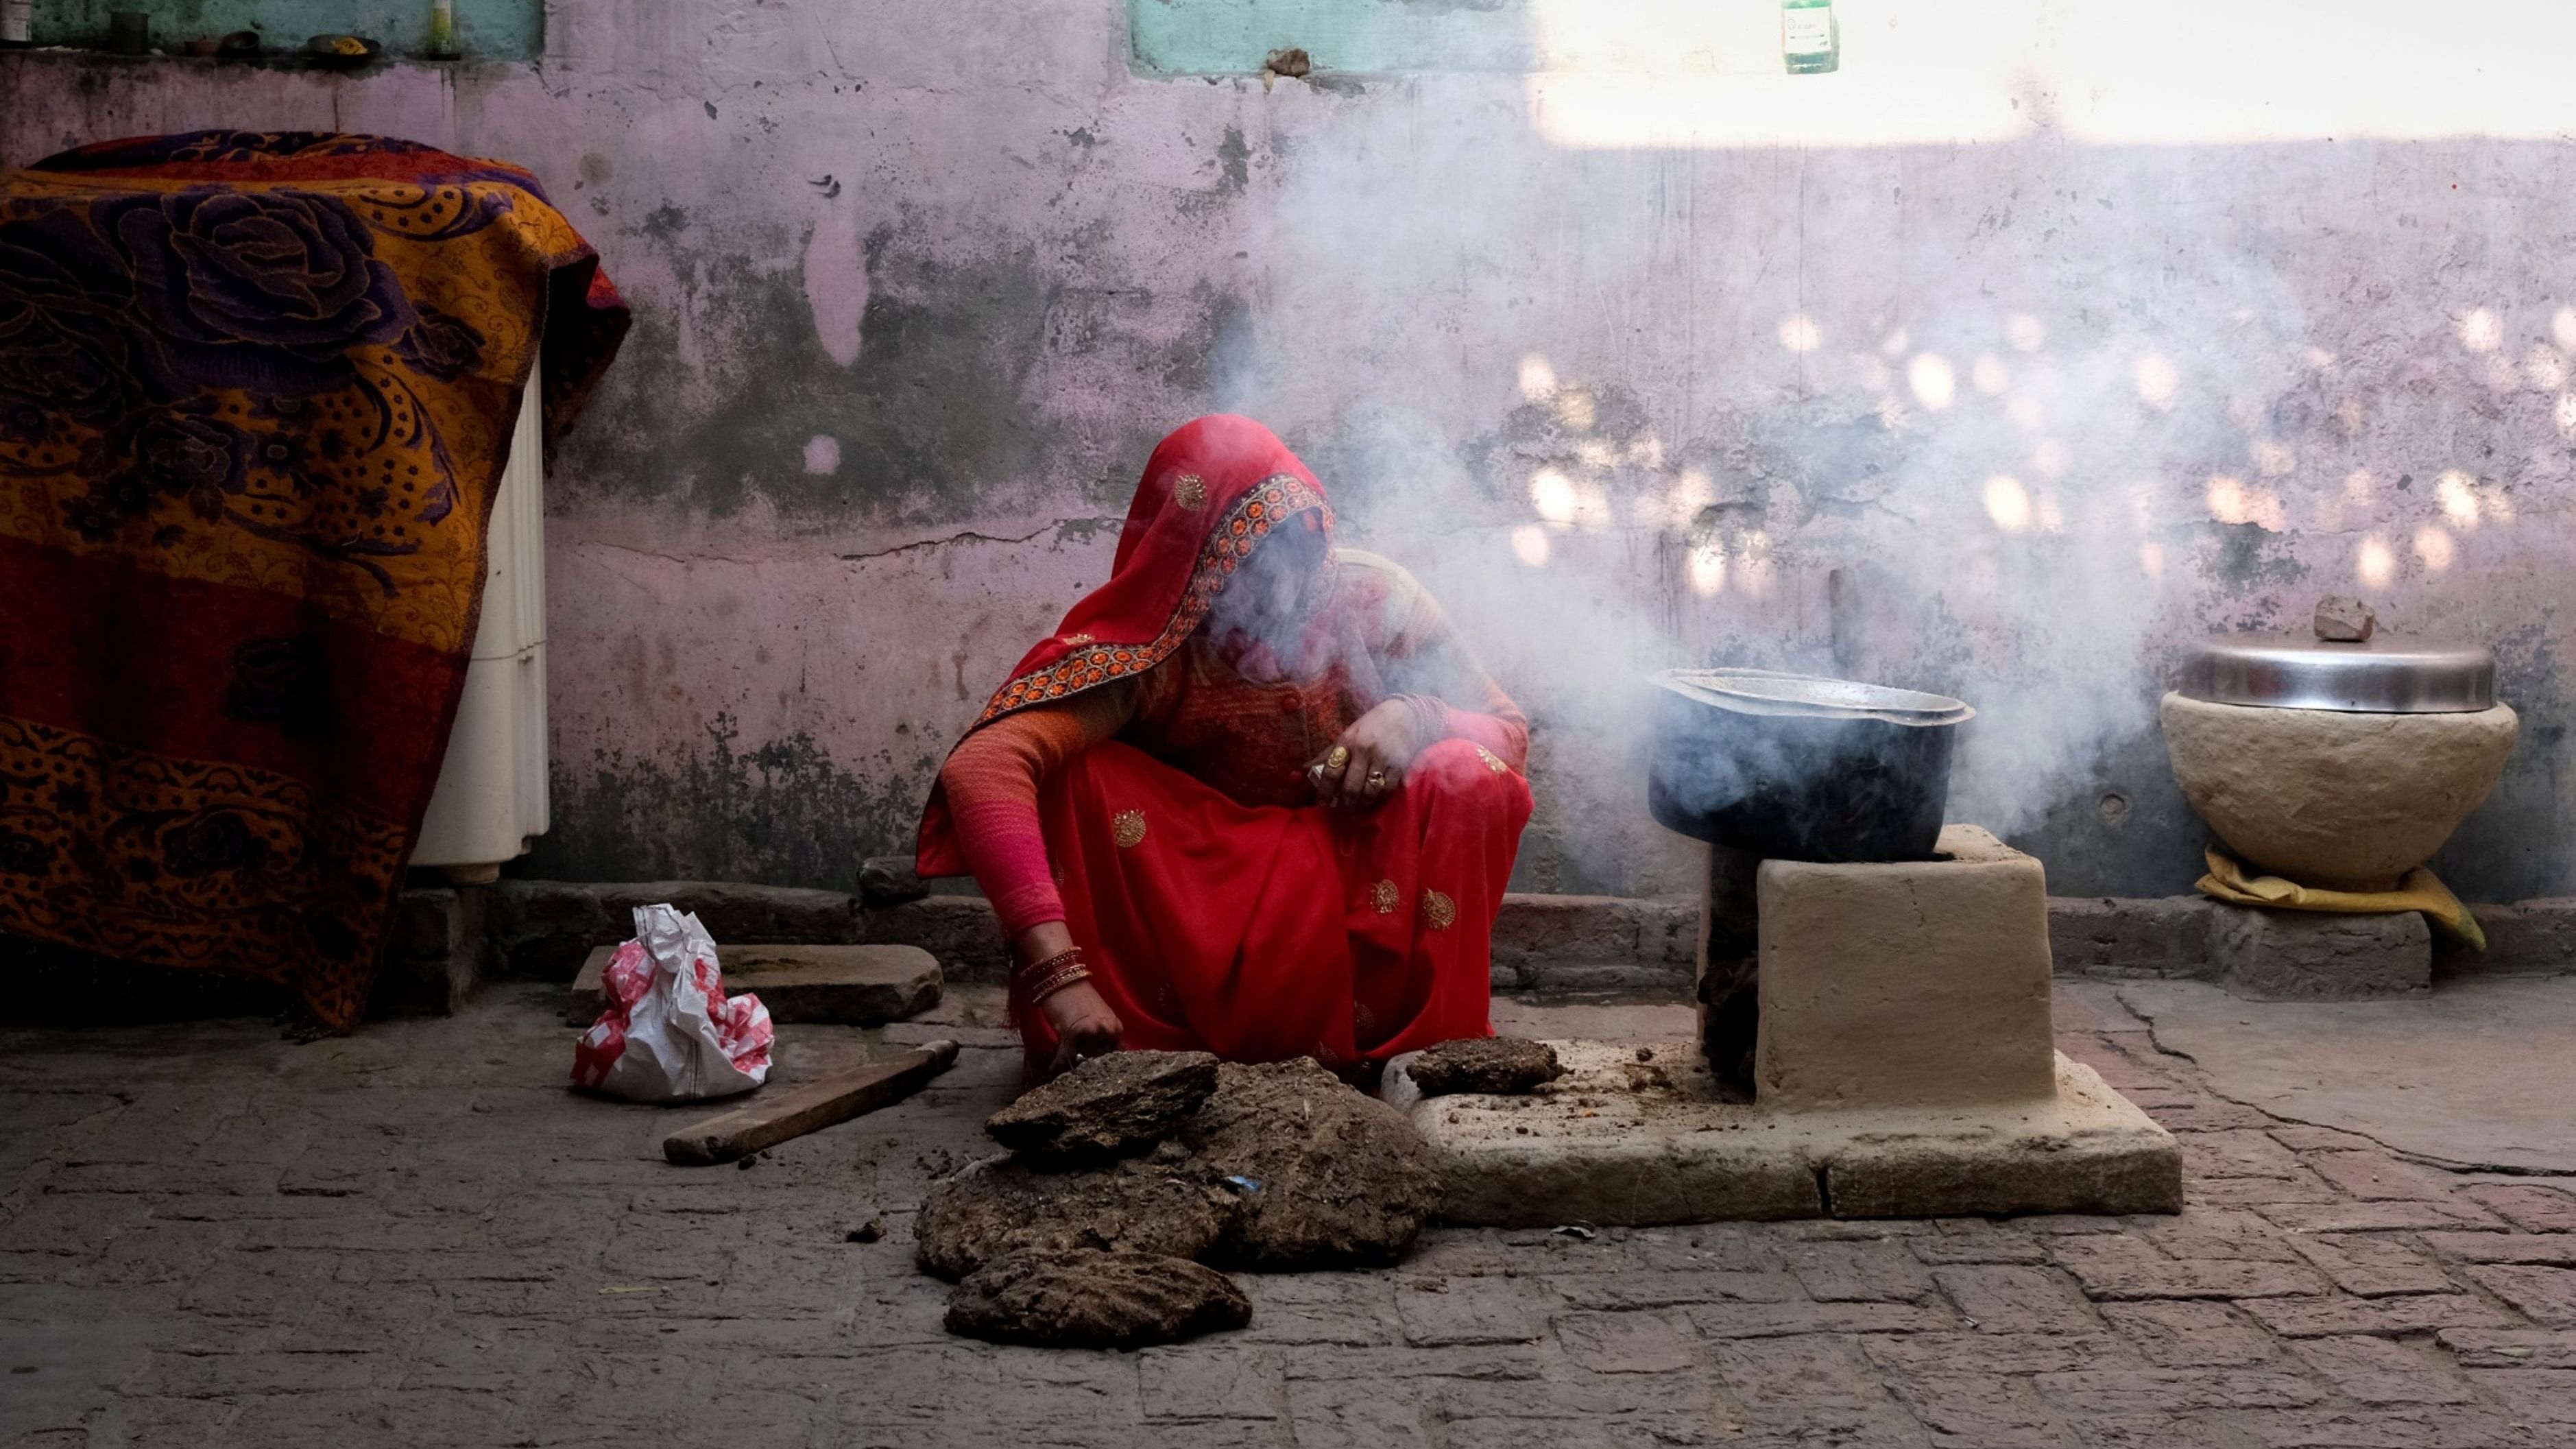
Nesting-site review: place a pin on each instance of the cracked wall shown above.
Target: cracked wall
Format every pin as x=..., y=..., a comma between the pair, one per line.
x=917, y=287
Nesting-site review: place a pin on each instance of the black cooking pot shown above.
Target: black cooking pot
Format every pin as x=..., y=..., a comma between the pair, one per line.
x=1795, y=767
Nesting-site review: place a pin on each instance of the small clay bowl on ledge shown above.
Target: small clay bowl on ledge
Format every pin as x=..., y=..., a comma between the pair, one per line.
x=203, y=47
x=341, y=52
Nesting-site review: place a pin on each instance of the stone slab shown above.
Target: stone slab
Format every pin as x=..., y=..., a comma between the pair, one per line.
x=1905, y=983
x=2476, y=1075
x=1620, y=1140
x=839, y=985
x=2318, y=956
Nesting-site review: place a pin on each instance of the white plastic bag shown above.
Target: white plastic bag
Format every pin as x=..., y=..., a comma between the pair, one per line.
x=669, y=1033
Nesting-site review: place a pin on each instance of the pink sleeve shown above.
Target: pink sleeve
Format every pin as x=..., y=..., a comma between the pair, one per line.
x=992, y=782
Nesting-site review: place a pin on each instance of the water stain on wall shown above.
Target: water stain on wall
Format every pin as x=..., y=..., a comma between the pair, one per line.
x=931, y=415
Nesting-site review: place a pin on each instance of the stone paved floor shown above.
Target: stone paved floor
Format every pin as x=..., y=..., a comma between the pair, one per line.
x=213, y=1236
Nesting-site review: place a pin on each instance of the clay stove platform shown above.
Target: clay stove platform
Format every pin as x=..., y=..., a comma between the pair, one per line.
x=1617, y=1140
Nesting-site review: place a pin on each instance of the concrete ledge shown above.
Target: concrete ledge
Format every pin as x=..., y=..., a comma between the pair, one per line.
x=2316, y=956
x=542, y=929
x=2533, y=938
x=1594, y=943
x=434, y=953
x=1618, y=1140
x=2120, y=938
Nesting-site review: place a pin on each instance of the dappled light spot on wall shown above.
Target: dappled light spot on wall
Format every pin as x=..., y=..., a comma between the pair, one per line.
x=2158, y=383
x=2562, y=328
x=2025, y=333
x=2321, y=360
x=2352, y=416
x=1933, y=381
x=1989, y=375
x=1552, y=494
x=1537, y=378
x=2272, y=460
x=822, y=454
x=2151, y=560
x=2546, y=366
x=1691, y=493
x=1575, y=409
x=1529, y=545
x=2230, y=501
x=1893, y=345
x=2435, y=548
x=2007, y=503
x=2376, y=564
x=2480, y=330
x=2501, y=374
x=2357, y=485
x=1707, y=571
x=2459, y=496
x=1800, y=334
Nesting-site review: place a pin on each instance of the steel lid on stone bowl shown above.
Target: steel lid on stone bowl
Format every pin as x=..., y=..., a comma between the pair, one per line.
x=1768, y=691
x=2382, y=676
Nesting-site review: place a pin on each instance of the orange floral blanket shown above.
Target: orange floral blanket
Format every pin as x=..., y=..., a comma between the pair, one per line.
x=256, y=395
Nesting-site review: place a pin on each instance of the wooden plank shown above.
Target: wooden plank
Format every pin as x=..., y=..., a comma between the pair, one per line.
x=767, y=1121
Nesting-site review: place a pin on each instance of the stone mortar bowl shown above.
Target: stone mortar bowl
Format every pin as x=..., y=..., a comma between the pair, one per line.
x=2339, y=799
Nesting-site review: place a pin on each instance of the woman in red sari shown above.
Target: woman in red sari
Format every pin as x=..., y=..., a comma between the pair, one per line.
x=1253, y=797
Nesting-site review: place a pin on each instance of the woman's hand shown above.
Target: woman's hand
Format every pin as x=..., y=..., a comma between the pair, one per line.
x=1367, y=764
x=1084, y=1026
x=1083, y=1023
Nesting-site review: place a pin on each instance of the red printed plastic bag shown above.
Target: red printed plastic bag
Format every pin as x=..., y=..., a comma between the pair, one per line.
x=670, y=1034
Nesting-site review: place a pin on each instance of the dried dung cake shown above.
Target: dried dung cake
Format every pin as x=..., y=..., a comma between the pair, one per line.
x=1163, y=1203
x=1091, y=1299
x=1500, y=1064
x=1110, y=1105
x=1332, y=1178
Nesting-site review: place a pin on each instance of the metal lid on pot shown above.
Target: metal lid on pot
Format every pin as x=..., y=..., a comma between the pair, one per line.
x=2377, y=676
x=1766, y=691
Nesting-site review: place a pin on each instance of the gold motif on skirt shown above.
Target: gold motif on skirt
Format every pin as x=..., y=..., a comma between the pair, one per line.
x=1438, y=911
x=1383, y=896
x=1190, y=491
x=1127, y=827
x=1492, y=761
x=1077, y=640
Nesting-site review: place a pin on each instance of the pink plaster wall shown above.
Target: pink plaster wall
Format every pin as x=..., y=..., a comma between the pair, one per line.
x=918, y=284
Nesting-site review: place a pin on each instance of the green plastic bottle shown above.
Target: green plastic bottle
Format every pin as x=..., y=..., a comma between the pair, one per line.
x=442, y=29
x=1810, y=37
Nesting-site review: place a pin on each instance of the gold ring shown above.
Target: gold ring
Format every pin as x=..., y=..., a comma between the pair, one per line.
x=1339, y=756
x=1377, y=779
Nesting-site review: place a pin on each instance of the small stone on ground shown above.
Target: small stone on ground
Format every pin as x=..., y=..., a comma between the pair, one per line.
x=1500, y=1064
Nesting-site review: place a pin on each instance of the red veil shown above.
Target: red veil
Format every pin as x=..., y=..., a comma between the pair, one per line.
x=1254, y=931
x=1212, y=490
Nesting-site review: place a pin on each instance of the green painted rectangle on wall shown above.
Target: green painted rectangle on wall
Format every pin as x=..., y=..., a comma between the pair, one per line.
x=494, y=29
x=1233, y=37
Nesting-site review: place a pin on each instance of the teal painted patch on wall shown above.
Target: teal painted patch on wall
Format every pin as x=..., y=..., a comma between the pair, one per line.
x=1234, y=37
x=500, y=29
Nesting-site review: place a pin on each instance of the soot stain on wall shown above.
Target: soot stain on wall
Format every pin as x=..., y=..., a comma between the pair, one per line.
x=782, y=813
